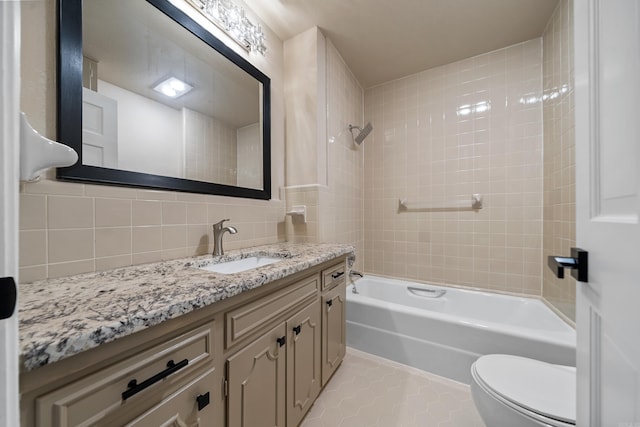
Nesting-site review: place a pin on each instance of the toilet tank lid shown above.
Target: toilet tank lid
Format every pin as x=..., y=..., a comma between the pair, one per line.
x=544, y=388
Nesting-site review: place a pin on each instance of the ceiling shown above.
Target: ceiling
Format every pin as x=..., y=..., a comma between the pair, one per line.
x=385, y=40
x=137, y=46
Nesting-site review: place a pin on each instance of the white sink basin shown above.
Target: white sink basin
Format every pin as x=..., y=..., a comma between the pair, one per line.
x=239, y=265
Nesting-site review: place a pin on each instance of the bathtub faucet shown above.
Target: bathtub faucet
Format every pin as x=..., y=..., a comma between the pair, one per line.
x=355, y=273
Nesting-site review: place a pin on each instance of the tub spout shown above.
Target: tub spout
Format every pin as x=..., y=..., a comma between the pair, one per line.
x=351, y=274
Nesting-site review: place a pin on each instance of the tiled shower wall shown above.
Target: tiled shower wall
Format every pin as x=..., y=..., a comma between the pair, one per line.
x=335, y=210
x=559, y=153
x=473, y=126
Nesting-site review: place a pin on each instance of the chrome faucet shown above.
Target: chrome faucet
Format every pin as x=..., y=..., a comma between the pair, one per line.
x=218, y=232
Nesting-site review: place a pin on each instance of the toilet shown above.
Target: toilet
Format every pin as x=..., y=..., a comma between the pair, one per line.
x=512, y=391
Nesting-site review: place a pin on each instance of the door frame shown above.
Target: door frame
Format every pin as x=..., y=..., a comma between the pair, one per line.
x=9, y=196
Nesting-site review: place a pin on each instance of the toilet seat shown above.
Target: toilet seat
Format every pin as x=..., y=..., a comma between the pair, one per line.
x=542, y=391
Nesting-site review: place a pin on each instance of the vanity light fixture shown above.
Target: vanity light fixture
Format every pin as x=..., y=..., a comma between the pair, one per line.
x=231, y=18
x=172, y=87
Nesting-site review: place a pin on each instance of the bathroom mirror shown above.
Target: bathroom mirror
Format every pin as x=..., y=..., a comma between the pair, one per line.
x=122, y=69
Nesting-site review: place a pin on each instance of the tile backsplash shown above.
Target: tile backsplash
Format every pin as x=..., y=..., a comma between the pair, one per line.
x=69, y=228
x=473, y=126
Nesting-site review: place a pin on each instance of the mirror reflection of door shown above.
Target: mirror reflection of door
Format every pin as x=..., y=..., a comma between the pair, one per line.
x=99, y=130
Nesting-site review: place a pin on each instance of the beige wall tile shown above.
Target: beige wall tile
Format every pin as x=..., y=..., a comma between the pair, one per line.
x=110, y=192
x=113, y=212
x=201, y=236
x=33, y=212
x=112, y=241
x=45, y=186
x=109, y=263
x=70, y=245
x=197, y=213
x=33, y=247
x=156, y=195
x=146, y=239
x=146, y=257
x=71, y=268
x=174, y=213
x=146, y=212
x=174, y=237
x=32, y=273
x=69, y=212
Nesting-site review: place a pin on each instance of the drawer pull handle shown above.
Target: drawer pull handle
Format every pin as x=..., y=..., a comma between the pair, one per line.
x=336, y=275
x=135, y=388
x=282, y=341
x=203, y=401
x=297, y=329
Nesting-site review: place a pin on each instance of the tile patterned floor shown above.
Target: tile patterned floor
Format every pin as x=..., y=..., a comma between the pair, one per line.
x=369, y=391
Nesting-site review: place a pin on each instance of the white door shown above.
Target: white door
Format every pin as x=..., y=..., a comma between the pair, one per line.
x=99, y=130
x=9, y=176
x=607, y=78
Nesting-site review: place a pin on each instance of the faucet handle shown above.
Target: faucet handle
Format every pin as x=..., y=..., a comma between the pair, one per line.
x=220, y=223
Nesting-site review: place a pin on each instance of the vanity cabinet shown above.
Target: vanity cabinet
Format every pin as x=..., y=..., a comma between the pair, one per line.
x=279, y=372
x=259, y=358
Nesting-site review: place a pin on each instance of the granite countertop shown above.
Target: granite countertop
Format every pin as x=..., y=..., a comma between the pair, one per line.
x=62, y=317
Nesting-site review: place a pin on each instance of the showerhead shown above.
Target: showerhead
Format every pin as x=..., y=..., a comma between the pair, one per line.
x=362, y=132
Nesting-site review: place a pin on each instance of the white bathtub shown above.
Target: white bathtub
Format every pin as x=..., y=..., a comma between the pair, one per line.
x=446, y=334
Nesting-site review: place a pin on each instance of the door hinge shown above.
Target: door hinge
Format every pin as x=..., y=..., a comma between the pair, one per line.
x=225, y=387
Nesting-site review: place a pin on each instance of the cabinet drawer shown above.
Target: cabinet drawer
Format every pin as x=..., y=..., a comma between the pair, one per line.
x=333, y=276
x=89, y=400
x=244, y=320
x=182, y=407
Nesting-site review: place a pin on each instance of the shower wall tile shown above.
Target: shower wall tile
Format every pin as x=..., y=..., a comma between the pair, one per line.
x=473, y=126
x=559, y=154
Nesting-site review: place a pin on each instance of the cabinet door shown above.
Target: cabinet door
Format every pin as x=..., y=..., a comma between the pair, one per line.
x=191, y=406
x=333, y=330
x=303, y=362
x=256, y=380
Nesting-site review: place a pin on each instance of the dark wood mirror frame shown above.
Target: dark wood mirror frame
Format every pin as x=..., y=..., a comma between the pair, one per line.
x=69, y=105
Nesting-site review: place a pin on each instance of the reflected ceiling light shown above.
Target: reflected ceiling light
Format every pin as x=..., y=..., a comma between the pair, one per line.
x=172, y=87
x=478, y=107
x=231, y=18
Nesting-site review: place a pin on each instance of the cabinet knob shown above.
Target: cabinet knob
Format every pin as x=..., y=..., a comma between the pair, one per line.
x=282, y=341
x=329, y=303
x=203, y=400
x=297, y=329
